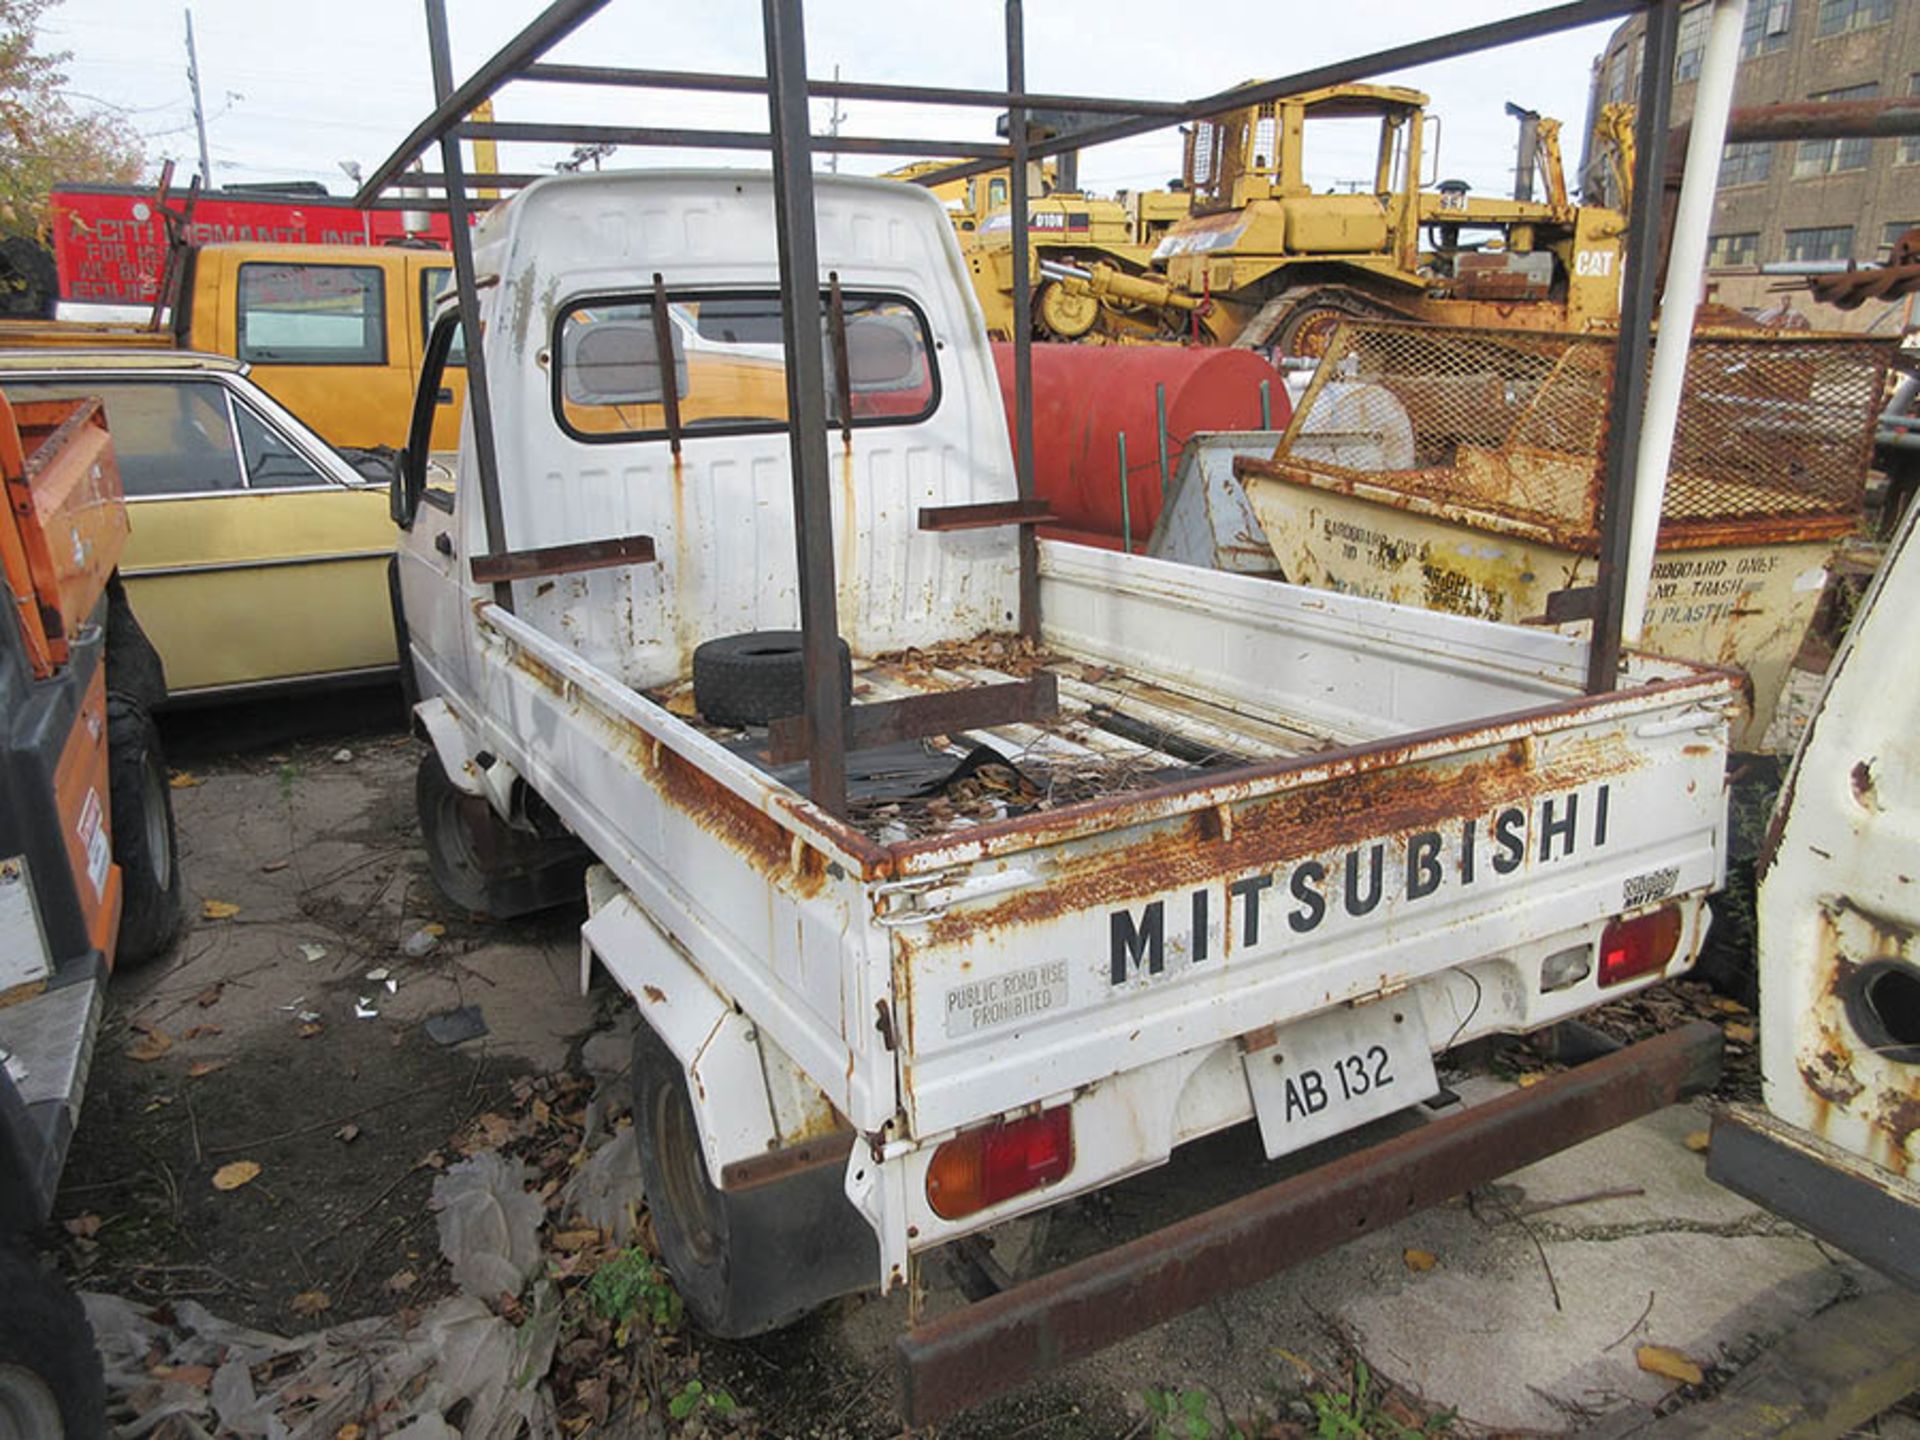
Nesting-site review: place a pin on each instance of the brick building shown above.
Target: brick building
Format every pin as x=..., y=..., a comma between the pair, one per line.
x=1790, y=200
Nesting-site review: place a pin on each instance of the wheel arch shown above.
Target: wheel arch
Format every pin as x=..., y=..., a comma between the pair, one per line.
x=713, y=1041
x=449, y=740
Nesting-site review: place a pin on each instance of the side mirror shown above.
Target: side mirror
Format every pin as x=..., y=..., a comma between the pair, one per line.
x=403, y=488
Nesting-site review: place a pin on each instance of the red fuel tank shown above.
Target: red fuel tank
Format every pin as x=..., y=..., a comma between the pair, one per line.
x=1086, y=396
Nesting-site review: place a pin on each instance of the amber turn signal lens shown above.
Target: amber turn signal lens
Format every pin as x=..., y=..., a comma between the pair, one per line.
x=1636, y=947
x=996, y=1162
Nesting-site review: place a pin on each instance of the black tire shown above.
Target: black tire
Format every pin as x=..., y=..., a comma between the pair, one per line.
x=753, y=678
x=51, y=1387
x=484, y=865
x=744, y=1261
x=141, y=800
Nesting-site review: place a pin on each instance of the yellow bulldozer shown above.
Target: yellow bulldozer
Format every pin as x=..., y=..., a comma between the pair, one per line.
x=1263, y=261
x=1070, y=231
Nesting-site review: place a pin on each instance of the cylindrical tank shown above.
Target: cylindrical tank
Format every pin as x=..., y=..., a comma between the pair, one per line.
x=1086, y=396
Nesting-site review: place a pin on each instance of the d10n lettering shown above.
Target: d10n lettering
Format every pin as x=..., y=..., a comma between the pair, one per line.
x=1297, y=900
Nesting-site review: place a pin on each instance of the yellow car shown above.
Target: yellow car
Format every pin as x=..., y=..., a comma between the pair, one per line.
x=259, y=554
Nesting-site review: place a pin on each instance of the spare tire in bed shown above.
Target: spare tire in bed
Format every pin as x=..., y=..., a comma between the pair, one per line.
x=753, y=678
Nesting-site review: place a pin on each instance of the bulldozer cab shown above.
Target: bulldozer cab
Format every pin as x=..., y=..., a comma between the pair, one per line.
x=1263, y=151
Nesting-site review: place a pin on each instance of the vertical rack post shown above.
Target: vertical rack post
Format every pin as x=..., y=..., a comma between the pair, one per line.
x=798, y=243
x=479, y=403
x=1022, y=314
x=1160, y=425
x=1627, y=405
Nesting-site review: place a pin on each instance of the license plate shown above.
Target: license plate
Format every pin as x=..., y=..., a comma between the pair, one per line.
x=1325, y=1075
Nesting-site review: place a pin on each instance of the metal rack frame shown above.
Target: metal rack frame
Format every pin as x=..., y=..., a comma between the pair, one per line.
x=828, y=722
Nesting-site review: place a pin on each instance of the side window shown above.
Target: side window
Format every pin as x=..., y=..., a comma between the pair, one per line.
x=171, y=437
x=433, y=284
x=270, y=460
x=313, y=314
x=423, y=477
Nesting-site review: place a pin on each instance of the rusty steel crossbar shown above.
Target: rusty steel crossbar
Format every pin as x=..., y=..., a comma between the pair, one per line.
x=913, y=717
x=562, y=559
x=986, y=515
x=973, y=1354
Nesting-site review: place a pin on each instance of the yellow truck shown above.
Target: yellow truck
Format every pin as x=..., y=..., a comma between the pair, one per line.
x=336, y=333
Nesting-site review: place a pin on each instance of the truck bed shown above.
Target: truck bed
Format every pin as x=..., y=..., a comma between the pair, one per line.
x=1135, y=717
x=1117, y=732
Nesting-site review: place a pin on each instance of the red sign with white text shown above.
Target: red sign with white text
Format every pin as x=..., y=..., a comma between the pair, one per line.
x=109, y=243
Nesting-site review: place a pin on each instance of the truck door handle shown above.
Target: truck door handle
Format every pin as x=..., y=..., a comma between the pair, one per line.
x=444, y=396
x=443, y=542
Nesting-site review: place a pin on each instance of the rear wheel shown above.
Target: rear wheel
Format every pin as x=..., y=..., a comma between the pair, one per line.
x=143, y=835
x=484, y=865
x=745, y=1261
x=50, y=1382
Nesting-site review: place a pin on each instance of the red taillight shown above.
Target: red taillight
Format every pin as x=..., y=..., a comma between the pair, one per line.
x=1631, y=948
x=996, y=1162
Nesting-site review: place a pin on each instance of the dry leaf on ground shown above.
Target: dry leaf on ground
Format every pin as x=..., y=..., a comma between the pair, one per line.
x=150, y=1046
x=1419, y=1260
x=232, y=1176
x=310, y=1302
x=204, y=1067
x=347, y=1134
x=1741, y=1034
x=210, y=996
x=84, y=1226
x=218, y=909
x=1664, y=1360
x=401, y=1281
x=274, y=865
x=1698, y=1141
x=183, y=780
x=310, y=1029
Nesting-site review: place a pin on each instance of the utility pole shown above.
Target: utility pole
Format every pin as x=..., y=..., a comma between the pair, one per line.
x=199, y=110
x=835, y=118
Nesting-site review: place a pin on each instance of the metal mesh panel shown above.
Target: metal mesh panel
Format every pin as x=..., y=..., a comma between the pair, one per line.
x=1514, y=423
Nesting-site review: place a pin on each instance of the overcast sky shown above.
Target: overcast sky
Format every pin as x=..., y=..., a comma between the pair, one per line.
x=295, y=87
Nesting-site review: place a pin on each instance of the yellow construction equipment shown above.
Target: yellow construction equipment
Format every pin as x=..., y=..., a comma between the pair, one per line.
x=1263, y=261
x=1071, y=236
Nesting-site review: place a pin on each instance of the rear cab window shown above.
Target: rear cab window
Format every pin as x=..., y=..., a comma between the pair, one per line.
x=729, y=365
x=307, y=314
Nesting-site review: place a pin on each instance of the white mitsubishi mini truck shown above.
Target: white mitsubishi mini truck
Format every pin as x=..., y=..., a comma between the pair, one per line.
x=1206, y=850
